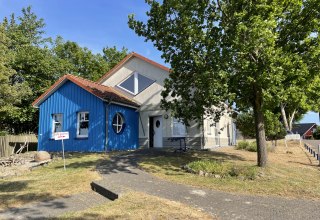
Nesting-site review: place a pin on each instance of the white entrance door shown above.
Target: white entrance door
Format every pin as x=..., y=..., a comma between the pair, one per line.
x=157, y=127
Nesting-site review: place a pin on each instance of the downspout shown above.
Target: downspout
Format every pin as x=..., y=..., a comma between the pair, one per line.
x=107, y=126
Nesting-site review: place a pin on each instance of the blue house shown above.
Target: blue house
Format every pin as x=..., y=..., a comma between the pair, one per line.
x=97, y=117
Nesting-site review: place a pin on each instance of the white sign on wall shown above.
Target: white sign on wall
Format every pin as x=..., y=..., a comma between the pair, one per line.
x=61, y=135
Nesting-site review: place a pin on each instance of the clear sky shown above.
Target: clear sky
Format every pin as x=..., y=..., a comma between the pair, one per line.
x=96, y=24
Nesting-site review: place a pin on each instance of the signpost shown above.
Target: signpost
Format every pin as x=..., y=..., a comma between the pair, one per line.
x=61, y=136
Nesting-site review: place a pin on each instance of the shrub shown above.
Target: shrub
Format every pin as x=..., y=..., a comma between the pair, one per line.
x=242, y=145
x=252, y=147
x=224, y=169
x=245, y=172
x=210, y=166
x=248, y=146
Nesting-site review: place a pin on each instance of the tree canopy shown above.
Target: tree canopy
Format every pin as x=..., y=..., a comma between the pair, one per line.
x=248, y=54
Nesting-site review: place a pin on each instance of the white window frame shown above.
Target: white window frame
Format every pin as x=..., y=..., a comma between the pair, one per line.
x=55, y=122
x=136, y=83
x=176, y=121
x=209, y=130
x=78, y=124
x=118, y=115
x=217, y=133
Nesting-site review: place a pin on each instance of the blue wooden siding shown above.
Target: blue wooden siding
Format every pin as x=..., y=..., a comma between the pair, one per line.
x=129, y=137
x=70, y=99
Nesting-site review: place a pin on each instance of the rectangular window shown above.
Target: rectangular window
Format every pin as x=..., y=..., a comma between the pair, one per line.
x=208, y=126
x=83, y=124
x=56, y=123
x=178, y=128
x=217, y=134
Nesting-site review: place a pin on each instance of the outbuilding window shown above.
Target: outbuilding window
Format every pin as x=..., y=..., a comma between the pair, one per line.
x=118, y=123
x=56, y=123
x=83, y=124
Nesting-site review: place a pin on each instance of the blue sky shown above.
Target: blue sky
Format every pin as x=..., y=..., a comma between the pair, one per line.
x=96, y=24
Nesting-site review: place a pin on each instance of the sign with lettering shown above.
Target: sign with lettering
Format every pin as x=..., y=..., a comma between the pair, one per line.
x=61, y=135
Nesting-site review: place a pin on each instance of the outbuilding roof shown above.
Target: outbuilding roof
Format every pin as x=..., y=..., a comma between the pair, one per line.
x=126, y=59
x=105, y=93
x=302, y=128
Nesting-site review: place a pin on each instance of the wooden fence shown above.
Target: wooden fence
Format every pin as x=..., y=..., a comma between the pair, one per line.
x=9, y=143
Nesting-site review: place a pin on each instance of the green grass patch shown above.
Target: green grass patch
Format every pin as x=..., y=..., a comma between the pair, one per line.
x=51, y=181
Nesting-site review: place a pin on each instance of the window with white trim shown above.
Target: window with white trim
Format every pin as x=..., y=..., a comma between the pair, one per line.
x=208, y=126
x=83, y=124
x=217, y=133
x=57, y=120
x=178, y=128
x=136, y=83
x=118, y=123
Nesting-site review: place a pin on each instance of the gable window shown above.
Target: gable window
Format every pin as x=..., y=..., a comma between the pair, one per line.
x=118, y=123
x=135, y=83
x=178, y=128
x=83, y=124
x=56, y=123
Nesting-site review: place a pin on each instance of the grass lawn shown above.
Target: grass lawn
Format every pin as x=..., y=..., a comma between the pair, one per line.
x=51, y=181
x=136, y=205
x=291, y=172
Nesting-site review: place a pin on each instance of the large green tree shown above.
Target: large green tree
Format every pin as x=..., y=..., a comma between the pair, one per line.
x=243, y=51
x=12, y=89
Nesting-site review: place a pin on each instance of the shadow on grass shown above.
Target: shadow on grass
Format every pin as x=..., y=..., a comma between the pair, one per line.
x=92, y=216
x=8, y=200
x=14, y=186
x=159, y=159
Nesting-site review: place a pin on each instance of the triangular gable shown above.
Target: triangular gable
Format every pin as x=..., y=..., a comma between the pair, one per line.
x=125, y=60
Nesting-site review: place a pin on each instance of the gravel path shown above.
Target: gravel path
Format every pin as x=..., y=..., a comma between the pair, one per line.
x=122, y=171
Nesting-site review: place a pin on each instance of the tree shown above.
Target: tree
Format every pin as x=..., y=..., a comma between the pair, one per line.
x=12, y=89
x=78, y=60
x=113, y=56
x=242, y=51
x=316, y=133
x=274, y=128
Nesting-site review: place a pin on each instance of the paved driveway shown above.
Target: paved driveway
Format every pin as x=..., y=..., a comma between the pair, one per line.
x=123, y=171
x=312, y=143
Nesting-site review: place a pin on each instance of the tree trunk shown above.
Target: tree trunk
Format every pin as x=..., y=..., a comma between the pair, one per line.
x=284, y=117
x=260, y=129
x=291, y=119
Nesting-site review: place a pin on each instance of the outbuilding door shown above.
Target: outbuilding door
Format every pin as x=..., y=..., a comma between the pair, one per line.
x=157, y=131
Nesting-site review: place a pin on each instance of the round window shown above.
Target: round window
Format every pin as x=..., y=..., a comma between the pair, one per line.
x=118, y=122
x=157, y=123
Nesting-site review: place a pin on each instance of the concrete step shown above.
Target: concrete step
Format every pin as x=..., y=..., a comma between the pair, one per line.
x=107, y=190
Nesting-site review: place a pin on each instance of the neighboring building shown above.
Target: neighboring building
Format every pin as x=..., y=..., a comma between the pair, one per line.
x=133, y=89
x=305, y=129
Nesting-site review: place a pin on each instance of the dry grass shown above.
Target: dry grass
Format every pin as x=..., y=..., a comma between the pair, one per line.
x=51, y=181
x=294, y=174
x=136, y=205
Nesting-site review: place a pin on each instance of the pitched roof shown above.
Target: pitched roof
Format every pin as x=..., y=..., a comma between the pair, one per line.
x=105, y=93
x=302, y=128
x=126, y=59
